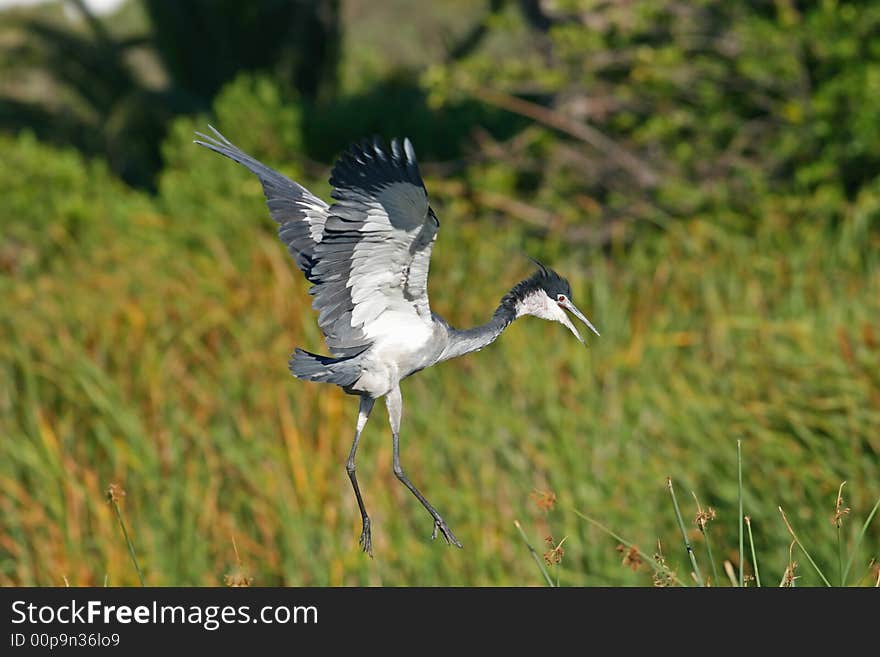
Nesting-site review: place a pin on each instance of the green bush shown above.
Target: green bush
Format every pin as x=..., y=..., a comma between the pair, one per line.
x=705, y=106
x=208, y=193
x=56, y=203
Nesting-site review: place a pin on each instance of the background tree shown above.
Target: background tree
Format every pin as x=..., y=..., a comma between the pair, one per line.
x=113, y=92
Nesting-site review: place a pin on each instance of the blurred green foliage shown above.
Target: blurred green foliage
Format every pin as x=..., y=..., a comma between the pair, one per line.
x=698, y=106
x=110, y=86
x=704, y=173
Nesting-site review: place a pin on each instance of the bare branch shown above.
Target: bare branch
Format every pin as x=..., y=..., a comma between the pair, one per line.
x=642, y=172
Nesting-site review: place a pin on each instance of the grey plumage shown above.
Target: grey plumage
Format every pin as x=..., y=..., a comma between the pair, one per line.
x=367, y=256
x=301, y=215
x=376, y=244
x=342, y=372
x=465, y=341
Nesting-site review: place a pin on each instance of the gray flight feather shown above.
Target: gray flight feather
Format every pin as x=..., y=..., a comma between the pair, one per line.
x=300, y=213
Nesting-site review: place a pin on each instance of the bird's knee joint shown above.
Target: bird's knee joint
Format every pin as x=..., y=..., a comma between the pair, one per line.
x=350, y=467
x=398, y=472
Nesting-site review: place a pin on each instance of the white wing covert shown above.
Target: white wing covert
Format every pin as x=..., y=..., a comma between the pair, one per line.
x=371, y=265
x=368, y=254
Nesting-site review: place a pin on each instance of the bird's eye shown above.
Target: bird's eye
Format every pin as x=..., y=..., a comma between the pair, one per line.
x=561, y=298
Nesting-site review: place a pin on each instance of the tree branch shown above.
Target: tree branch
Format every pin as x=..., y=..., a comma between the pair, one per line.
x=646, y=176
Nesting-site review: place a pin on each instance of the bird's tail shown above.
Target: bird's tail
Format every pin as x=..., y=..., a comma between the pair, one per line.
x=343, y=372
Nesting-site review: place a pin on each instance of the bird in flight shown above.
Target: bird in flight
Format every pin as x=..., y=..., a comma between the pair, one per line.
x=367, y=257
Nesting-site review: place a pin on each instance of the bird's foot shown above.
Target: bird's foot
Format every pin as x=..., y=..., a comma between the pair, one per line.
x=440, y=524
x=365, y=542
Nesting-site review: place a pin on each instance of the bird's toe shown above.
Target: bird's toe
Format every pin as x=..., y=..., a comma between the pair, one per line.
x=365, y=541
x=446, y=532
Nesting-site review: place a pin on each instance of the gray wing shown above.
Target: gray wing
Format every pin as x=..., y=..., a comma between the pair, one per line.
x=371, y=265
x=300, y=213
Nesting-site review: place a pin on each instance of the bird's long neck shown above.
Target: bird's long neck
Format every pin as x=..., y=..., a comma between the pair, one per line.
x=464, y=341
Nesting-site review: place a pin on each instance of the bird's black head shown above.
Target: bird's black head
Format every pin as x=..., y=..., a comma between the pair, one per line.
x=547, y=295
x=544, y=279
x=551, y=282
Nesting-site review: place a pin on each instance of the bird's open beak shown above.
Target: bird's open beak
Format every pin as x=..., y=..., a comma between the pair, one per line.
x=570, y=307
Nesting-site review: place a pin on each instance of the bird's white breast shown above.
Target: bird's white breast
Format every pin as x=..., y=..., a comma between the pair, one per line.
x=402, y=344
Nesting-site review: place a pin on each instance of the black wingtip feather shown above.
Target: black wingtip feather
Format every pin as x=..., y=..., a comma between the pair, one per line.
x=370, y=166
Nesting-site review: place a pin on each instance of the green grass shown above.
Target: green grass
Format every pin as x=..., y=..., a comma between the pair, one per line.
x=114, y=495
x=145, y=343
x=663, y=576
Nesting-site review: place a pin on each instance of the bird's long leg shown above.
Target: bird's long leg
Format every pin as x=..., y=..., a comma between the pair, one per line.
x=363, y=414
x=395, y=405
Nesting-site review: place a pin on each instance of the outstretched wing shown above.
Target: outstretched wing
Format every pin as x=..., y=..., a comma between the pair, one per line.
x=371, y=265
x=367, y=255
x=300, y=213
